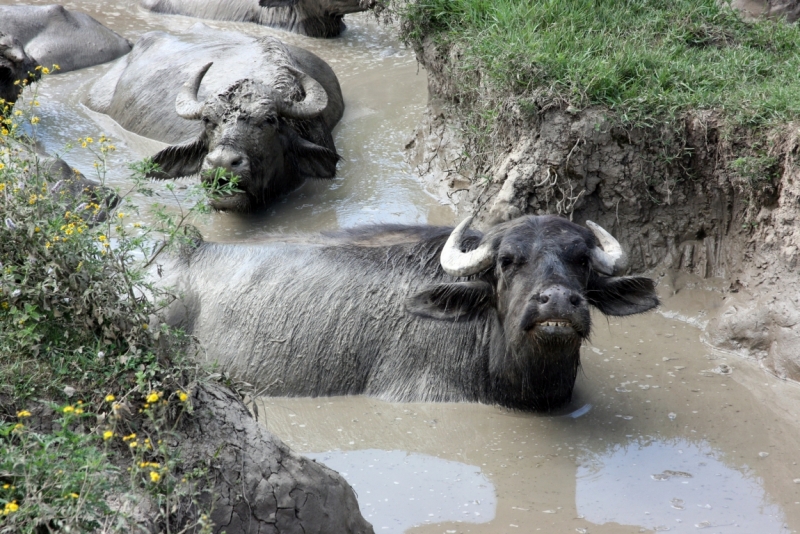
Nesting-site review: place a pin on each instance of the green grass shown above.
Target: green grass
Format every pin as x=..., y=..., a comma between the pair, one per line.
x=645, y=59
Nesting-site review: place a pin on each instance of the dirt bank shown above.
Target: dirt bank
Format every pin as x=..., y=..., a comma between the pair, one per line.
x=693, y=195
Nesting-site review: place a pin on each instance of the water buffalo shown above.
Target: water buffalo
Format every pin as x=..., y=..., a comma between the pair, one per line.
x=256, y=107
x=15, y=66
x=52, y=35
x=316, y=18
x=409, y=313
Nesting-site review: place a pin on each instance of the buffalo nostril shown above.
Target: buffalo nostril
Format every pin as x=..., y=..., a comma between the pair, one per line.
x=544, y=299
x=235, y=163
x=575, y=300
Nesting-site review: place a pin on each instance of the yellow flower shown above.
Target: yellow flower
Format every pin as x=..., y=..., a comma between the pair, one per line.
x=74, y=495
x=45, y=70
x=133, y=444
x=19, y=426
x=153, y=397
x=4, y=131
x=32, y=199
x=10, y=507
x=78, y=411
x=56, y=67
x=129, y=437
x=110, y=397
x=120, y=215
x=101, y=238
x=68, y=409
x=107, y=435
x=135, y=225
x=89, y=140
x=182, y=396
x=37, y=229
x=154, y=476
x=144, y=326
x=34, y=120
x=47, y=245
x=23, y=413
x=6, y=486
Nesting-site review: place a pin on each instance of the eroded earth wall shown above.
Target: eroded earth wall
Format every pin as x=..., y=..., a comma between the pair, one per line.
x=688, y=196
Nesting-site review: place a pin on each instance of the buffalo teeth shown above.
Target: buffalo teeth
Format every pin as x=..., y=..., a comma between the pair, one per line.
x=555, y=323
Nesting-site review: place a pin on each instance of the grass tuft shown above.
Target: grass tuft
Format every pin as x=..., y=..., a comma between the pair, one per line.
x=648, y=60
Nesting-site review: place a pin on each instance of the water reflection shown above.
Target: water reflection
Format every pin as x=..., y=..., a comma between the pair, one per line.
x=673, y=486
x=397, y=490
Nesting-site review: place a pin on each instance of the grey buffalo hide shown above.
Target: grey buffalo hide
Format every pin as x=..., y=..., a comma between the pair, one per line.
x=54, y=35
x=316, y=18
x=139, y=92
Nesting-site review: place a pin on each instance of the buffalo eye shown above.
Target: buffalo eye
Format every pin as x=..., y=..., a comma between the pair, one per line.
x=506, y=262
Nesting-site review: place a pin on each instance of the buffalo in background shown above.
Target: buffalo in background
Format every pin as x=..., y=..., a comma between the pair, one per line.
x=33, y=36
x=52, y=35
x=316, y=18
x=15, y=66
x=409, y=313
x=256, y=107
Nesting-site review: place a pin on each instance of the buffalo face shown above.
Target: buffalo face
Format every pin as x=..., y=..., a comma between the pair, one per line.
x=540, y=275
x=249, y=132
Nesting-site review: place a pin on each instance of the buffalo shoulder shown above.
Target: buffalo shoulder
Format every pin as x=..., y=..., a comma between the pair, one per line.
x=459, y=300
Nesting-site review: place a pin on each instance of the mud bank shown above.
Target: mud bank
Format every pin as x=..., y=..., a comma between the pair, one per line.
x=694, y=196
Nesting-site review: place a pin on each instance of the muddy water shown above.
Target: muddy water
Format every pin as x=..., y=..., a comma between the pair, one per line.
x=384, y=93
x=664, y=434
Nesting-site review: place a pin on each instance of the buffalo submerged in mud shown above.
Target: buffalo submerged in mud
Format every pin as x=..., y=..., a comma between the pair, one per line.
x=315, y=18
x=257, y=108
x=409, y=313
x=32, y=36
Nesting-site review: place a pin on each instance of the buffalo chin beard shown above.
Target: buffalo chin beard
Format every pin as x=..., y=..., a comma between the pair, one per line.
x=234, y=202
x=538, y=370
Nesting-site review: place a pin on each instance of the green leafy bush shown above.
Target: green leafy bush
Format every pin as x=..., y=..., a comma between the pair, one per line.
x=90, y=393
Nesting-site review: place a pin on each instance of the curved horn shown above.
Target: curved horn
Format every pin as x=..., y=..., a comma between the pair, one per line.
x=313, y=104
x=186, y=103
x=457, y=263
x=611, y=259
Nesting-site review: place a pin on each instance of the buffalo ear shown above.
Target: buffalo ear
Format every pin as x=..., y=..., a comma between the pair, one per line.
x=276, y=3
x=451, y=301
x=314, y=161
x=624, y=295
x=180, y=160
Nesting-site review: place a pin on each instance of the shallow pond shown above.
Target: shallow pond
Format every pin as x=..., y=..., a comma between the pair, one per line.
x=664, y=434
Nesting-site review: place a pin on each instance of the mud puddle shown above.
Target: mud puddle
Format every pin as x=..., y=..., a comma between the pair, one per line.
x=385, y=95
x=664, y=434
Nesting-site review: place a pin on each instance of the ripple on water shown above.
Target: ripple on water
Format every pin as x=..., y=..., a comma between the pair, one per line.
x=673, y=485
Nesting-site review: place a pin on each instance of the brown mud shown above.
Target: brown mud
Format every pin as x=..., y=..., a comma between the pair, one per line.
x=695, y=196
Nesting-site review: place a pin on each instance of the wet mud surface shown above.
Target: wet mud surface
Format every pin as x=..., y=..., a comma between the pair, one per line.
x=385, y=95
x=664, y=434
